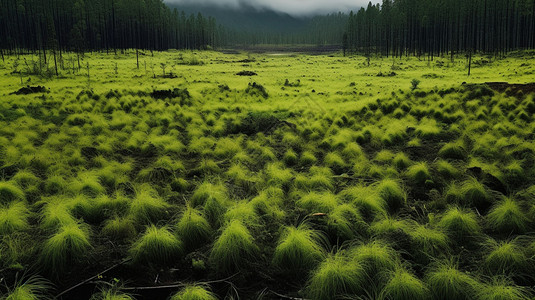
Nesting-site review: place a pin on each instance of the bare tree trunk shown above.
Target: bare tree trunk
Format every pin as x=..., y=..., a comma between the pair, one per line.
x=55, y=63
x=469, y=62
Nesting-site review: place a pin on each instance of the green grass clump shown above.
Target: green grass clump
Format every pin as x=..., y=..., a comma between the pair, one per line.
x=501, y=288
x=278, y=176
x=401, y=161
x=193, y=228
x=392, y=193
x=156, y=246
x=446, y=169
x=194, y=292
x=119, y=228
x=267, y=203
x=57, y=212
x=233, y=249
x=446, y=282
x=321, y=179
x=507, y=216
x=474, y=193
x=28, y=181
x=70, y=243
x=402, y=285
x=365, y=199
x=454, y=150
x=308, y=158
x=34, y=288
x=352, y=151
x=334, y=161
x=345, y=222
x=384, y=156
x=111, y=294
x=290, y=157
x=9, y=192
x=376, y=257
x=206, y=191
x=427, y=240
x=87, y=184
x=314, y=202
x=460, y=223
x=55, y=184
x=504, y=257
x=419, y=173
x=148, y=206
x=335, y=278
x=389, y=226
x=428, y=129
x=244, y=212
x=14, y=218
x=227, y=148
x=298, y=249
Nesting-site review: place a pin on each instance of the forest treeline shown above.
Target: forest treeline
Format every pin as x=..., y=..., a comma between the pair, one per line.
x=431, y=27
x=82, y=25
x=393, y=27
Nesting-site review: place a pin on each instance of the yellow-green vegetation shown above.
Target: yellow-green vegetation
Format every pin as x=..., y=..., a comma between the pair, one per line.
x=314, y=179
x=194, y=292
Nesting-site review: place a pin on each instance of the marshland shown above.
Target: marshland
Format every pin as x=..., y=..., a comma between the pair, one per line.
x=266, y=172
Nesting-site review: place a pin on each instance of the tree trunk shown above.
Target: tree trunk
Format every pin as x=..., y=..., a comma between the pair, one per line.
x=55, y=63
x=469, y=62
x=137, y=58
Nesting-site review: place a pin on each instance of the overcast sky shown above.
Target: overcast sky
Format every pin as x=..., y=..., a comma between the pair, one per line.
x=293, y=7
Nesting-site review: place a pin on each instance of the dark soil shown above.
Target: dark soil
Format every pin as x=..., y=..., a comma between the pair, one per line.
x=246, y=73
x=31, y=90
x=512, y=88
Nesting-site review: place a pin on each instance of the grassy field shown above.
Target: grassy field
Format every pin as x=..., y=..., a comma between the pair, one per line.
x=319, y=177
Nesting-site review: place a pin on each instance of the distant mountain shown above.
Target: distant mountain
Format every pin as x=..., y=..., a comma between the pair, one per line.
x=248, y=19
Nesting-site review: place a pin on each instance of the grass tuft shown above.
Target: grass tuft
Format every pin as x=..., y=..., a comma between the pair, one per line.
x=34, y=288
x=376, y=257
x=14, y=218
x=156, y=246
x=446, y=282
x=501, y=288
x=233, y=249
x=119, y=228
x=404, y=286
x=504, y=257
x=336, y=277
x=194, y=292
x=193, y=228
x=419, y=173
x=314, y=202
x=147, y=206
x=460, y=223
x=298, y=250
x=70, y=243
x=474, y=193
x=9, y=192
x=507, y=216
x=392, y=193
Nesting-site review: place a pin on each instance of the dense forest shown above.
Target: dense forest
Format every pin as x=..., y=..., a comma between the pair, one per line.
x=66, y=25
x=415, y=27
x=394, y=27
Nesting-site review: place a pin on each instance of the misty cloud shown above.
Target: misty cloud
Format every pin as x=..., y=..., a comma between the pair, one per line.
x=292, y=7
